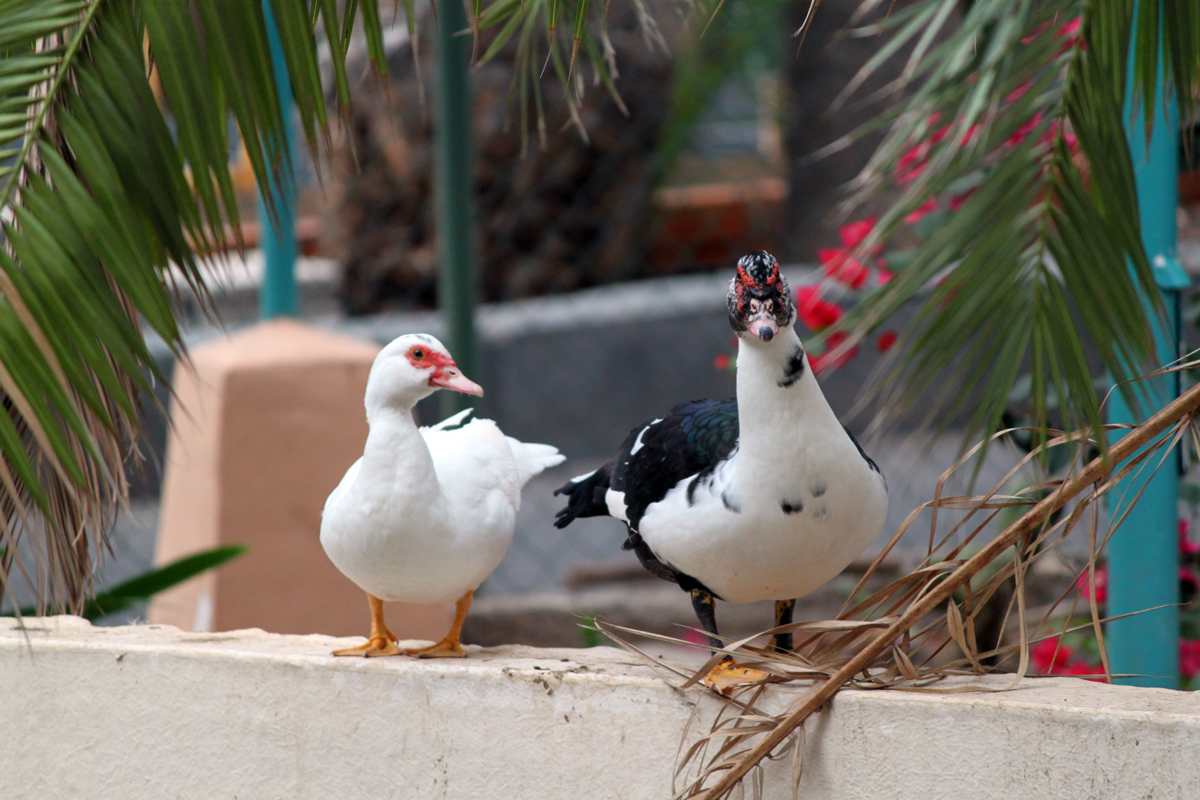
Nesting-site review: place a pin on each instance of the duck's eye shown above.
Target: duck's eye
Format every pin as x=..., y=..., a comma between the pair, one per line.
x=418, y=353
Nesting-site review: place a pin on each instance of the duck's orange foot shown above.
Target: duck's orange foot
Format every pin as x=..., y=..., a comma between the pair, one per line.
x=375, y=646
x=729, y=674
x=446, y=648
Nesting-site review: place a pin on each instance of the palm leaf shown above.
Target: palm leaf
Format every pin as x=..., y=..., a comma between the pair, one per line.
x=104, y=195
x=1043, y=261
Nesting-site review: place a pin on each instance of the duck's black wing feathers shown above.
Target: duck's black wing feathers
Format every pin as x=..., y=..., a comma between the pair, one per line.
x=691, y=440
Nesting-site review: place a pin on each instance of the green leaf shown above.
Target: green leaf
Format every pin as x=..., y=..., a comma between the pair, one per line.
x=1044, y=260
x=142, y=587
x=111, y=193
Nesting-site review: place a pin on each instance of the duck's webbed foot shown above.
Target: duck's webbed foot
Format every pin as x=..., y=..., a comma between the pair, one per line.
x=380, y=642
x=728, y=674
x=451, y=644
x=375, y=646
x=446, y=648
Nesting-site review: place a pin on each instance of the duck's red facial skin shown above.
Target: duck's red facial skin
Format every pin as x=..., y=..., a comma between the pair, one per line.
x=423, y=357
x=445, y=373
x=759, y=300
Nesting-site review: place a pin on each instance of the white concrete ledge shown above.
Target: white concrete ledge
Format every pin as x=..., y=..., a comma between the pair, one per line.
x=150, y=712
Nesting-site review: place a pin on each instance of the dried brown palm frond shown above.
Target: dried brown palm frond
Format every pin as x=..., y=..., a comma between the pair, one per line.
x=925, y=626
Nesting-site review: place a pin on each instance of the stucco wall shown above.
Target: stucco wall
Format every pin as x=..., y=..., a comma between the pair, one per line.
x=150, y=712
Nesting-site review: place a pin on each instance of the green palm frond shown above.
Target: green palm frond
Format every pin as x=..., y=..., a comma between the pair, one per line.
x=1016, y=112
x=105, y=193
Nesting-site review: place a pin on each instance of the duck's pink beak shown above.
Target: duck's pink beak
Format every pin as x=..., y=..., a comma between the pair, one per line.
x=448, y=377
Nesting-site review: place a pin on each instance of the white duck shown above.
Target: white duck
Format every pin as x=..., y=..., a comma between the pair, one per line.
x=427, y=513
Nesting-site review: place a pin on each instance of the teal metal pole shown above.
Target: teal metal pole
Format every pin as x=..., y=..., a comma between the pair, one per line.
x=277, y=238
x=1143, y=555
x=455, y=198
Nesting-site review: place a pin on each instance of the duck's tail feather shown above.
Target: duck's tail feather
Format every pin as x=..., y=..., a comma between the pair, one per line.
x=585, y=496
x=533, y=458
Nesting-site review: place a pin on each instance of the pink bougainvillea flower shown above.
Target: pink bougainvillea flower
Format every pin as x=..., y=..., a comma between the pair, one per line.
x=1069, y=138
x=912, y=163
x=1187, y=548
x=1049, y=655
x=721, y=362
x=883, y=273
x=956, y=201
x=1024, y=130
x=1069, y=33
x=885, y=341
x=1186, y=576
x=1081, y=585
x=1018, y=92
x=853, y=233
x=843, y=269
x=818, y=314
x=834, y=356
x=1082, y=668
x=925, y=208
x=1189, y=658
x=1036, y=32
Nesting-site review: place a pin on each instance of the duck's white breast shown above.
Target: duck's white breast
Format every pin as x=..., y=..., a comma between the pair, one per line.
x=417, y=548
x=745, y=547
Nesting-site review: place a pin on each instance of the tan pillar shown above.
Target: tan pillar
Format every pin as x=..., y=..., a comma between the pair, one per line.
x=266, y=422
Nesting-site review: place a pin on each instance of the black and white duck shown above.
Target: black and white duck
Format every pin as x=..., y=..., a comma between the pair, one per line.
x=765, y=497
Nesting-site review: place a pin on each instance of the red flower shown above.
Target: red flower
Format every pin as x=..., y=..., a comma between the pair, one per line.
x=832, y=358
x=912, y=163
x=883, y=272
x=1049, y=655
x=970, y=134
x=1189, y=658
x=854, y=233
x=1047, y=138
x=1186, y=548
x=1036, y=32
x=926, y=207
x=1069, y=33
x=721, y=362
x=1071, y=29
x=818, y=314
x=1024, y=130
x=1186, y=576
x=885, y=341
x=1081, y=585
x=1082, y=668
x=1016, y=93
x=957, y=200
x=843, y=269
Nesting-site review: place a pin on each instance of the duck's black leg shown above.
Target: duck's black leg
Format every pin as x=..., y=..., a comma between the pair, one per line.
x=728, y=673
x=782, y=642
x=705, y=607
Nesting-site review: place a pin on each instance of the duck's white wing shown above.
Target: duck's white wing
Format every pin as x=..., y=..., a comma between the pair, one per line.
x=472, y=461
x=533, y=458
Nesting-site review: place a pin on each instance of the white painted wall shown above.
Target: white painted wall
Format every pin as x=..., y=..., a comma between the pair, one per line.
x=150, y=712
